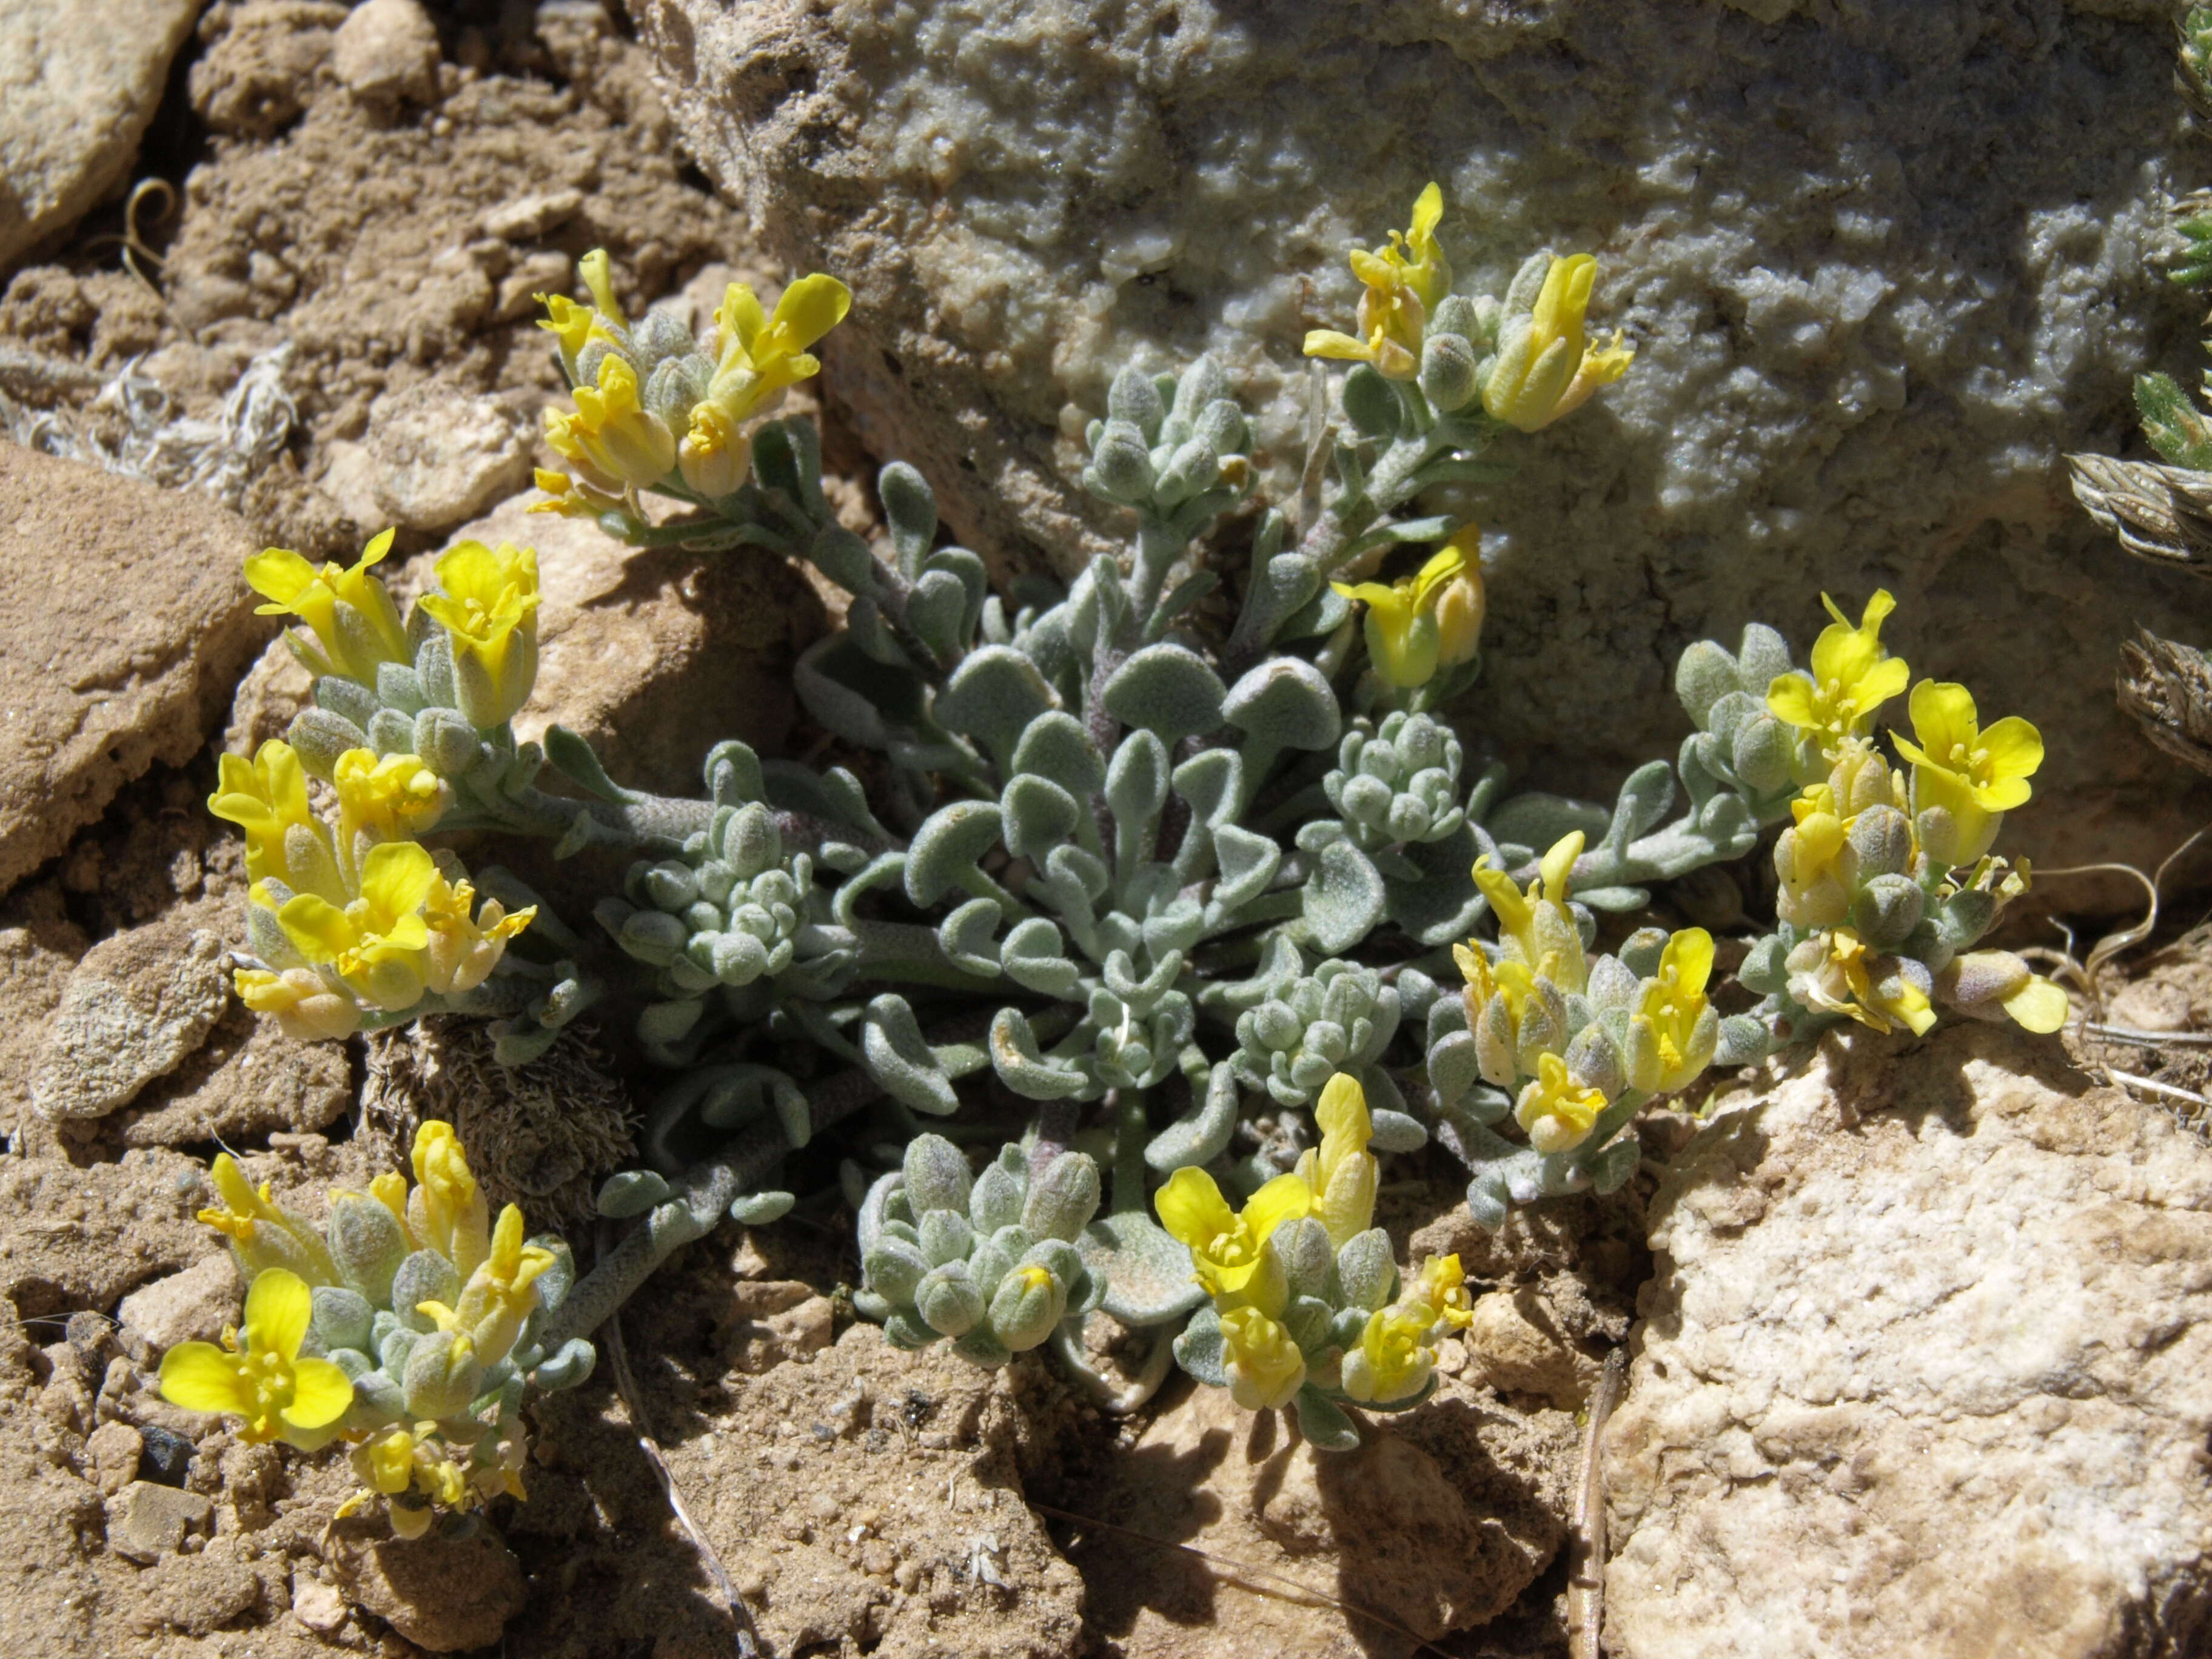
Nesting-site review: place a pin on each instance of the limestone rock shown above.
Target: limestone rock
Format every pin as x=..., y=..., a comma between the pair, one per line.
x=1882, y=265
x=146, y=1521
x=1422, y=1524
x=40, y=945
x=113, y=1450
x=123, y=626
x=78, y=84
x=1517, y=1347
x=139, y=1004
x=655, y=656
x=191, y=1306
x=73, y=1238
x=770, y=1320
x=431, y=457
x=386, y=50
x=317, y=1606
x=447, y=1594
x=1926, y=1368
x=246, y=1080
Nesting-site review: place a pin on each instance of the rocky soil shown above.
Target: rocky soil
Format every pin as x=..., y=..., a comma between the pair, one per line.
x=1916, y=1329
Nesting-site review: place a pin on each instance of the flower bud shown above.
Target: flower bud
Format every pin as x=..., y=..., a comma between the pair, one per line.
x=996, y=1199
x=1134, y=400
x=1370, y=404
x=1029, y=1303
x=1062, y=1198
x=1595, y=1060
x=1887, y=910
x=1304, y=1246
x=1192, y=467
x=446, y=742
x=1448, y=371
x=937, y=1176
x=948, y=1301
x=894, y=1269
x=1120, y=466
x=340, y=1319
x=366, y=1244
x=425, y=1276
x=442, y=1375
x=946, y=1236
x=320, y=736
x=1704, y=675
x=1365, y=1269
x=1882, y=839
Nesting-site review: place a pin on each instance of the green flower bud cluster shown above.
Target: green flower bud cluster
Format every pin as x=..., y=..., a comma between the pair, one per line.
x=1397, y=781
x=1340, y=1018
x=987, y=1262
x=1172, y=448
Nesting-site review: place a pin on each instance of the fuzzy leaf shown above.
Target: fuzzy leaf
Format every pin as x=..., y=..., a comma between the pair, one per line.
x=965, y=937
x=1039, y=815
x=1035, y=957
x=1324, y=1426
x=993, y=695
x=1167, y=690
x=1202, y=1133
x=1343, y=899
x=1021, y=1067
x=1248, y=863
x=1198, y=1350
x=1147, y=1273
x=1285, y=703
x=902, y=1061
x=1056, y=747
x=949, y=845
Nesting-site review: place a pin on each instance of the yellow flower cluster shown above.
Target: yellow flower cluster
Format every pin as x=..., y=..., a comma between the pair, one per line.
x=363, y=917
x=1234, y=1257
x=1429, y=621
x=420, y=1440
x=621, y=436
x=1517, y=1009
x=1400, y=285
x=353, y=625
x=1545, y=366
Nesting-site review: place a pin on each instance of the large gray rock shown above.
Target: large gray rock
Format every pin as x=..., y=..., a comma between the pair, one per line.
x=78, y=84
x=1883, y=265
x=1925, y=1368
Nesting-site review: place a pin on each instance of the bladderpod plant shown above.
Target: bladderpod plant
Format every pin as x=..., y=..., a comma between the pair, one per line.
x=1185, y=853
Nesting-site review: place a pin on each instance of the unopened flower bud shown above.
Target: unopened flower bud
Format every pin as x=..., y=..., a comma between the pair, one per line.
x=1883, y=840
x=946, y=1236
x=937, y=1175
x=1029, y=1302
x=442, y=1375
x=1448, y=371
x=1120, y=466
x=366, y=1243
x=1062, y=1198
x=948, y=1301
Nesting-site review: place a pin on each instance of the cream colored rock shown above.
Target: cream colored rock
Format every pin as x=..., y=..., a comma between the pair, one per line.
x=135, y=1008
x=146, y=1521
x=386, y=50
x=1859, y=357
x=122, y=628
x=1516, y=1344
x=431, y=457
x=191, y=1306
x=78, y=84
x=1926, y=1369
x=446, y=1596
x=1422, y=1524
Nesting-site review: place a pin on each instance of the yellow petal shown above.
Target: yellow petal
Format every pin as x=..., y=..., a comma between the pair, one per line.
x=202, y=1377
x=1428, y=213
x=320, y=1394
x=811, y=307
x=1790, y=700
x=277, y=1310
x=1284, y=1199
x=1690, y=952
x=1328, y=343
x=1342, y=1112
x=1192, y=1209
x=2039, y=1007
x=395, y=878
x=1560, y=863
x=1943, y=719
x=279, y=574
x=2014, y=748
x=740, y=316
x=318, y=929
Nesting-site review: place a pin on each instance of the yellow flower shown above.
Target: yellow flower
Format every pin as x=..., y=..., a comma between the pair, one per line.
x=1975, y=775
x=388, y=799
x=487, y=602
x=263, y=1379
x=267, y=798
x=263, y=1235
x=462, y=950
x=1441, y=1283
x=570, y=326
x=760, y=354
x=1536, y=927
x=502, y=1292
x=1392, y=1360
x=1814, y=863
x=1341, y=1172
x=1404, y=641
x=1557, y=1111
x=1461, y=607
x=304, y=1006
x=714, y=456
x=1264, y=1366
x=386, y=1463
x=447, y=1210
x=1996, y=985
x=356, y=624
x=1834, y=972
x=1228, y=1248
x=1674, y=1031
x=374, y=942
x=610, y=432
x=570, y=497
x=1545, y=367
x=1850, y=678
x=1402, y=284
x=598, y=272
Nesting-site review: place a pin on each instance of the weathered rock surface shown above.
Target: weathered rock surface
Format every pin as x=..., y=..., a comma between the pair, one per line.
x=1883, y=263
x=191, y=1306
x=386, y=50
x=1437, y=1522
x=447, y=1596
x=122, y=628
x=78, y=84
x=432, y=456
x=134, y=1009
x=73, y=1238
x=1926, y=1369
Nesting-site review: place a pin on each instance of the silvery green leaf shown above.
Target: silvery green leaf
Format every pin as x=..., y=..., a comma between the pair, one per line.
x=1198, y=1350
x=1165, y=689
x=1284, y=702
x=910, y=511
x=1365, y=1271
x=1612, y=899
x=1762, y=659
x=935, y=610
x=995, y=1200
x=903, y=1062
x=340, y=1319
x=849, y=713
x=1763, y=970
x=1034, y=955
x=965, y=937
x=945, y=1235
x=759, y=1209
x=948, y=844
x=1202, y=1133
x=1211, y=781
x=1147, y=1273
x=391, y=732
x=570, y=1365
x=1325, y=1426
x=425, y=1276
x=1453, y=1068
x=1324, y=612
x=981, y=1346
x=1397, y=1132
x=1038, y=815
x=1538, y=820
x=975, y=582
x=1021, y=1067
x=1370, y=404
x=1056, y=747
x=1303, y=1248
x=1744, y=1040
x=993, y=695
x=630, y=1192
x=833, y=794
x=1343, y=899
x=1135, y=398
x=1137, y=782
x=907, y=1331
x=1703, y=674
x=1247, y=862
